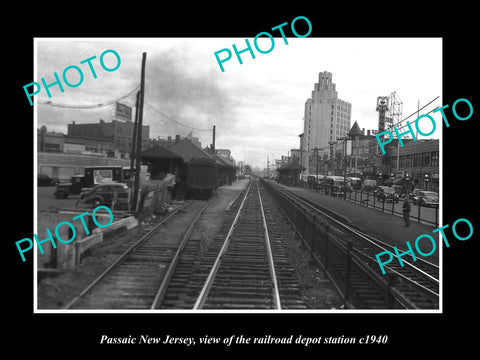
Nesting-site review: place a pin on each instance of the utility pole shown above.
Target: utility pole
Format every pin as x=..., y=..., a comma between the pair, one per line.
x=134, y=139
x=213, y=141
x=268, y=167
x=344, y=139
x=418, y=111
x=139, y=132
x=345, y=170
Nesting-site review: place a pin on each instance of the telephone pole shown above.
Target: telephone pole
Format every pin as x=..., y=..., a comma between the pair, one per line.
x=134, y=139
x=213, y=141
x=139, y=132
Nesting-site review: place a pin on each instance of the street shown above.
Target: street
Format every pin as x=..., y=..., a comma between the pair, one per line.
x=46, y=201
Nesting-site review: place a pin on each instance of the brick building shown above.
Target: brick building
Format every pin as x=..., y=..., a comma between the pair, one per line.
x=118, y=132
x=417, y=161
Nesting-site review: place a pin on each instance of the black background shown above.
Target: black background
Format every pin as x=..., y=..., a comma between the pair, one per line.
x=79, y=334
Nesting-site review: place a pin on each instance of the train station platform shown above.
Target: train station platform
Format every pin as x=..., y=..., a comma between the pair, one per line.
x=387, y=227
x=236, y=185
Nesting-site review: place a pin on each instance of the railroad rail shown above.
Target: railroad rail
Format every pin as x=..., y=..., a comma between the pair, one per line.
x=132, y=280
x=348, y=258
x=241, y=269
x=244, y=270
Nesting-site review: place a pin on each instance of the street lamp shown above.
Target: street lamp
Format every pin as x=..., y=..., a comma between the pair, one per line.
x=345, y=139
x=407, y=177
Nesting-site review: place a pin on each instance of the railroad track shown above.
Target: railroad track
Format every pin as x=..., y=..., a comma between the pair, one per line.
x=241, y=269
x=416, y=285
x=132, y=281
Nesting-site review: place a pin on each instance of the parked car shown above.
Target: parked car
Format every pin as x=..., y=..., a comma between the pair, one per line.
x=45, y=180
x=386, y=193
x=102, y=194
x=414, y=195
x=426, y=198
x=369, y=185
x=398, y=189
x=63, y=190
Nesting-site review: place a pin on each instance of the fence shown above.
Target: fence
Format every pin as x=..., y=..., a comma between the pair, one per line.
x=369, y=199
x=351, y=271
x=154, y=197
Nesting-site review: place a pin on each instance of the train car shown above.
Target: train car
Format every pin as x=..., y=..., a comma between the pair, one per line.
x=202, y=177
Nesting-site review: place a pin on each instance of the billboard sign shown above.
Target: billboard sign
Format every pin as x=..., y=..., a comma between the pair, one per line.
x=102, y=176
x=123, y=112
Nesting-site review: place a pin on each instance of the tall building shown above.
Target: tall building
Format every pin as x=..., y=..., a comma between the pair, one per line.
x=327, y=118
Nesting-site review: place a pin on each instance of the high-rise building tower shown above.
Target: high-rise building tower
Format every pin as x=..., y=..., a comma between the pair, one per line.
x=327, y=118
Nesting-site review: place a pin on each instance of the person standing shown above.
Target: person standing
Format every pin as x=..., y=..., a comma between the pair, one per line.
x=406, y=211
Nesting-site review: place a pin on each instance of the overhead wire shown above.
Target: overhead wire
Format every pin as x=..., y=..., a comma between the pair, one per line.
x=409, y=116
x=89, y=106
x=113, y=101
x=173, y=120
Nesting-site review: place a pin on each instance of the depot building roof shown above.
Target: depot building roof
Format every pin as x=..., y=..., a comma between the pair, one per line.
x=291, y=166
x=159, y=152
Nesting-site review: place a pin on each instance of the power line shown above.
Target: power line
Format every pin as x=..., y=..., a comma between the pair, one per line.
x=409, y=116
x=173, y=120
x=90, y=106
x=404, y=125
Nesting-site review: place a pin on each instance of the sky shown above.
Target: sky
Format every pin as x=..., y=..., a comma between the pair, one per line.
x=258, y=106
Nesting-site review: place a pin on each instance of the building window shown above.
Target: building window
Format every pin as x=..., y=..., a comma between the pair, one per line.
x=426, y=159
x=434, y=158
x=408, y=161
x=416, y=162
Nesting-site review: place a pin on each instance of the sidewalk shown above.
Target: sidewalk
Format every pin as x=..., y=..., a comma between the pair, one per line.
x=384, y=226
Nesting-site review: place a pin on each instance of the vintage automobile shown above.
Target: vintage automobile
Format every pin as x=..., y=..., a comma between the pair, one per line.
x=414, y=195
x=386, y=193
x=93, y=175
x=63, y=190
x=369, y=185
x=426, y=198
x=334, y=185
x=45, y=180
x=398, y=189
x=103, y=194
